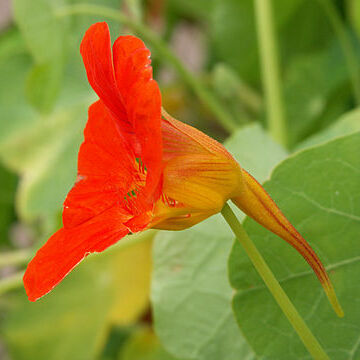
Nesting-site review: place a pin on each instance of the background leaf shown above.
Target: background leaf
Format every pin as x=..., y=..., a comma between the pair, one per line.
x=311, y=81
x=43, y=84
x=319, y=190
x=43, y=32
x=45, y=36
x=191, y=295
x=347, y=124
x=73, y=320
x=255, y=150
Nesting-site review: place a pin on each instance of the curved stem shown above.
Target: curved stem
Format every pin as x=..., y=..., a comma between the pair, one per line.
x=345, y=43
x=274, y=287
x=164, y=52
x=270, y=71
x=11, y=282
x=13, y=258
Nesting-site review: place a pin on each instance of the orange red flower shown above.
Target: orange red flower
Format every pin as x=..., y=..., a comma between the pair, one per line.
x=138, y=168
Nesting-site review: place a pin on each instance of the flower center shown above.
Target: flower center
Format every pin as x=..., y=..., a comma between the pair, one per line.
x=131, y=199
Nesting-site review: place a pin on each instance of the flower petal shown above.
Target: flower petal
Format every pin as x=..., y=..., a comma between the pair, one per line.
x=182, y=139
x=126, y=87
x=201, y=182
x=106, y=169
x=67, y=247
x=142, y=99
x=198, y=171
x=95, y=49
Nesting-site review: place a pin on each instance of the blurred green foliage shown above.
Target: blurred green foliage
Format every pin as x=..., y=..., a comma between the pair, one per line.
x=102, y=310
x=8, y=182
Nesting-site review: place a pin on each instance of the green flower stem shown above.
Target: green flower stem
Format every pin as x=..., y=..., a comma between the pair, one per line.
x=15, y=258
x=164, y=53
x=270, y=71
x=11, y=282
x=345, y=43
x=274, y=287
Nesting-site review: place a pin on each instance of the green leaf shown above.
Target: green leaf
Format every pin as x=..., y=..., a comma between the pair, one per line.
x=347, y=124
x=45, y=36
x=308, y=85
x=42, y=30
x=43, y=85
x=11, y=43
x=319, y=190
x=255, y=150
x=8, y=182
x=72, y=321
x=191, y=295
x=14, y=65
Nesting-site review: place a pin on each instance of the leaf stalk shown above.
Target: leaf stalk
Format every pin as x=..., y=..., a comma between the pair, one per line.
x=289, y=310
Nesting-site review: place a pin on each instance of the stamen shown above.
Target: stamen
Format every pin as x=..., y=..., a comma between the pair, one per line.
x=131, y=195
x=141, y=166
x=169, y=201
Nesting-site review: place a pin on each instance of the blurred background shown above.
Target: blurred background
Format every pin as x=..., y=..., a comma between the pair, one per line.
x=205, y=55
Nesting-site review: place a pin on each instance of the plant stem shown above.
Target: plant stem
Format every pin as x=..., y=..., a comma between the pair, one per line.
x=274, y=287
x=163, y=51
x=345, y=43
x=11, y=282
x=13, y=258
x=270, y=71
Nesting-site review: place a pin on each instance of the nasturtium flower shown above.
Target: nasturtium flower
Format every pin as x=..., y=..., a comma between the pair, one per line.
x=139, y=168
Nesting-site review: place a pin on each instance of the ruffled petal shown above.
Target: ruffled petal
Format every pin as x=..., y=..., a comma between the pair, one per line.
x=67, y=247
